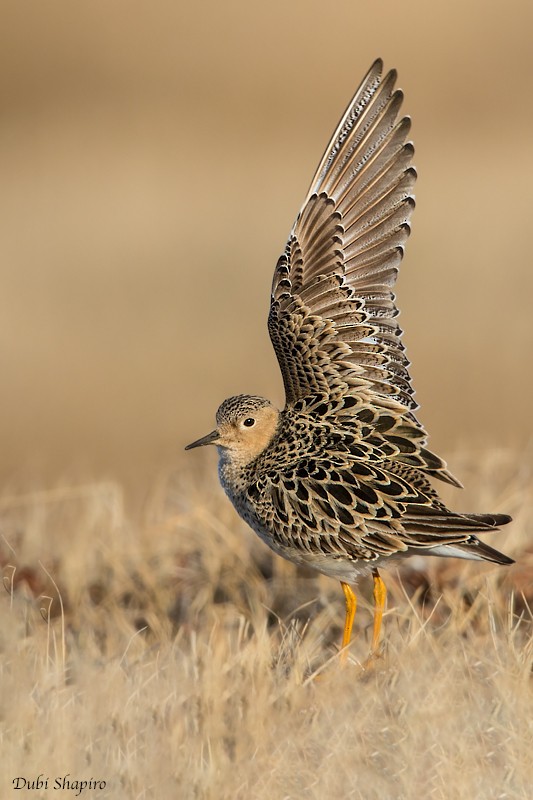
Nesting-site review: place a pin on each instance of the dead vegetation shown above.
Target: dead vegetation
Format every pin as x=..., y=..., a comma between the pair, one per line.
x=173, y=656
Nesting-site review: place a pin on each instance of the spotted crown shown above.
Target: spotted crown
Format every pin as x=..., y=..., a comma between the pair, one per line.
x=236, y=407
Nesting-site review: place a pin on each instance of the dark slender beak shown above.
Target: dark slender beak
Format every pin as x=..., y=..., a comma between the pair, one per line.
x=209, y=439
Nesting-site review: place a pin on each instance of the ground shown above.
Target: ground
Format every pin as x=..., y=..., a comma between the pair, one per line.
x=170, y=655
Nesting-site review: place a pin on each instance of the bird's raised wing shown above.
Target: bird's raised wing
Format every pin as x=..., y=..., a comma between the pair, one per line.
x=332, y=317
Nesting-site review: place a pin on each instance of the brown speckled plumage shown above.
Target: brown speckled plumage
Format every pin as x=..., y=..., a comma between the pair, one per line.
x=339, y=480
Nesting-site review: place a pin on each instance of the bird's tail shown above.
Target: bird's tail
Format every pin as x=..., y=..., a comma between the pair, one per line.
x=482, y=550
x=456, y=533
x=492, y=520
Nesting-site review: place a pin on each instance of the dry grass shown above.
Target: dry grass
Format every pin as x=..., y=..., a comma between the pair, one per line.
x=172, y=656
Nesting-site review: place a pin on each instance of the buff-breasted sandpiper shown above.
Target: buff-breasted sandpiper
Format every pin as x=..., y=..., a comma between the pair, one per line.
x=340, y=479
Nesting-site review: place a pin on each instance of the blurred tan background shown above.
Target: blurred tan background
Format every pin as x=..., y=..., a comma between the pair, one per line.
x=153, y=156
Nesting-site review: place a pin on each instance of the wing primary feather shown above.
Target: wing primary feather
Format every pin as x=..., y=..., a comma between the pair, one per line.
x=364, y=93
x=361, y=150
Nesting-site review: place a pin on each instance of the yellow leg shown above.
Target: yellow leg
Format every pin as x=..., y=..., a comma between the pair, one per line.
x=351, y=606
x=380, y=595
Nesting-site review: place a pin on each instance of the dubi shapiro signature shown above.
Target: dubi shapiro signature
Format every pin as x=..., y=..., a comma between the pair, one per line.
x=65, y=782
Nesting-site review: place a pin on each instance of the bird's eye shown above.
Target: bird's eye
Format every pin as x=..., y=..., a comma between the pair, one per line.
x=249, y=422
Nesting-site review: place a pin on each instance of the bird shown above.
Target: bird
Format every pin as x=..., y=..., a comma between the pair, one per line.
x=340, y=480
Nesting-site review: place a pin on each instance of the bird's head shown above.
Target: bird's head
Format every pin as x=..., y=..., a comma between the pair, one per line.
x=245, y=427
